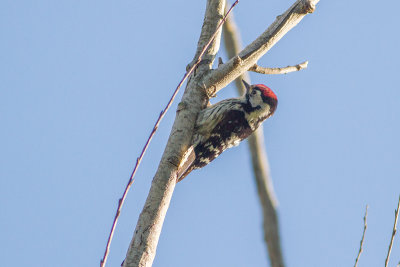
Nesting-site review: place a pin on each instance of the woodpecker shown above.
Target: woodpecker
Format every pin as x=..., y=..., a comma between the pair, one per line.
x=225, y=124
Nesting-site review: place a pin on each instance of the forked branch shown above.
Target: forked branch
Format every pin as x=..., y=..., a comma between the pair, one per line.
x=202, y=83
x=226, y=73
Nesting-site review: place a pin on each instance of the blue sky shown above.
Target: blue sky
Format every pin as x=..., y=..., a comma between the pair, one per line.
x=82, y=82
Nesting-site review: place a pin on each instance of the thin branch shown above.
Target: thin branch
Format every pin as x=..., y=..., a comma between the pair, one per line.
x=258, y=69
x=226, y=73
x=142, y=248
x=396, y=216
x=259, y=159
x=138, y=161
x=161, y=116
x=363, y=236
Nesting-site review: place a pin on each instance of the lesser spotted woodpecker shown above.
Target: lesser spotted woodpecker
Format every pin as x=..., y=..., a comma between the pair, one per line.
x=225, y=124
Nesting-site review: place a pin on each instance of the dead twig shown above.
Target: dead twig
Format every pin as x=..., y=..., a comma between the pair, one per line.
x=396, y=216
x=262, y=70
x=363, y=236
x=160, y=117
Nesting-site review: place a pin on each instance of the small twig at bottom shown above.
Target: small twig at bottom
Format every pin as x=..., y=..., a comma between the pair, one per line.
x=160, y=117
x=396, y=217
x=363, y=236
x=258, y=69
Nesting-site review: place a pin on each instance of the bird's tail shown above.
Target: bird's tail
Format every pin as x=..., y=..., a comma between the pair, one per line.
x=187, y=164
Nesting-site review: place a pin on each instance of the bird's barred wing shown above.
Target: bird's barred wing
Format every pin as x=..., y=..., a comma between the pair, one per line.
x=211, y=116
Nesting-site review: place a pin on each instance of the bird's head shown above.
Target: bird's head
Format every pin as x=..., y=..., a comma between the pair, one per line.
x=261, y=96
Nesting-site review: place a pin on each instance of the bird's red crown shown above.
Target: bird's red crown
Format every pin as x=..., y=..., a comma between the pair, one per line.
x=266, y=91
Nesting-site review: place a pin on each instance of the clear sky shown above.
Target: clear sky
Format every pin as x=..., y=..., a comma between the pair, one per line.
x=82, y=82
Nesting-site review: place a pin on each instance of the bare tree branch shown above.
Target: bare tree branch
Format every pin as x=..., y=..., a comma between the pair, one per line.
x=258, y=69
x=259, y=159
x=143, y=246
x=396, y=217
x=202, y=83
x=226, y=73
x=362, y=238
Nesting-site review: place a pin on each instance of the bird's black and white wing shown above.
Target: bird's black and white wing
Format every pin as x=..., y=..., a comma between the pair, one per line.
x=211, y=116
x=207, y=120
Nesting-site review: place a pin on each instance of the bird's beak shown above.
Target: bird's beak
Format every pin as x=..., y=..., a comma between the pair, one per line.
x=247, y=86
